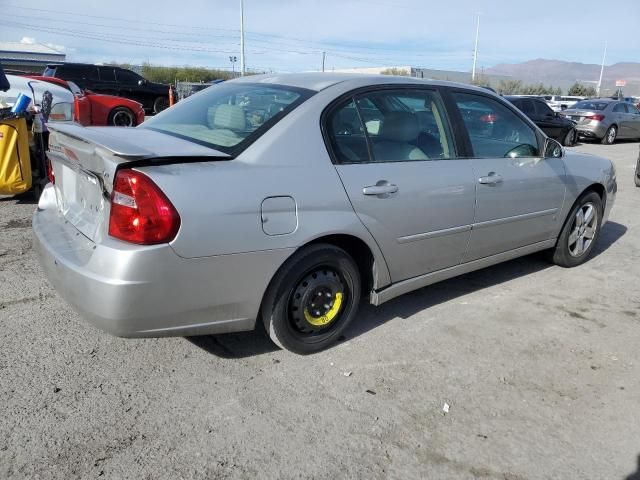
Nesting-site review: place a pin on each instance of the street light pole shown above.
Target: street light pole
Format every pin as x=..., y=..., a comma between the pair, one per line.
x=475, y=51
x=242, y=66
x=323, y=55
x=604, y=56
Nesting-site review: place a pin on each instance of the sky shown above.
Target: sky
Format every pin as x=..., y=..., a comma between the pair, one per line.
x=290, y=35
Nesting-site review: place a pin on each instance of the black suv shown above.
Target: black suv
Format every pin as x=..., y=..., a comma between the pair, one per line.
x=552, y=123
x=113, y=81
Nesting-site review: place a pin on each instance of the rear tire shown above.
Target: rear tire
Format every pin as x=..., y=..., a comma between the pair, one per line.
x=121, y=117
x=610, y=136
x=580, y=231
x=312, y=299
x=570, y=138
x=160, y=104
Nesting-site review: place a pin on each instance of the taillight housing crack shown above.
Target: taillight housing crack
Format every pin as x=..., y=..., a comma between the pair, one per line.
x=140, y=212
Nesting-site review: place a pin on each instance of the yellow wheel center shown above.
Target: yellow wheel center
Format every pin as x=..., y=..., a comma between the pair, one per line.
x=328, y=317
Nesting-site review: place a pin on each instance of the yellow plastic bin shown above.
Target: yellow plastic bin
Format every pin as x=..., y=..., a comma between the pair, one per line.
x=15, y=161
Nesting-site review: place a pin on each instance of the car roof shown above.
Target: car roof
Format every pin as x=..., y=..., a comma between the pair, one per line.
x=318, y=81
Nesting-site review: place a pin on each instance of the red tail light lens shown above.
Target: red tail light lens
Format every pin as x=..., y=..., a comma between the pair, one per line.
x=140, y=212
x=50, y=174
x=598, y=118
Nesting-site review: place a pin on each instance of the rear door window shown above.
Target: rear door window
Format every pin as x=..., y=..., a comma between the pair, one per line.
x=107, y=74
x=391, y=126
x=527, y=107
x=127, y=77
x=494, y=129
x=542, y=109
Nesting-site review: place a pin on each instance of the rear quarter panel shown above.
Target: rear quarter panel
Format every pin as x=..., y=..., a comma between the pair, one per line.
x=102, y=105
x=220, y=202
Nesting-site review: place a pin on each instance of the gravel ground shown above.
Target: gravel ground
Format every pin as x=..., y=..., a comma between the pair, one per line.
x=539, y=365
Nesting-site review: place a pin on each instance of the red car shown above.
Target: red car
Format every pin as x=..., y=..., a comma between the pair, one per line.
x=93, y=109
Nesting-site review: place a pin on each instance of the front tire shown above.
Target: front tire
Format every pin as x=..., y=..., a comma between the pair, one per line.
x=636, y=177
x=312, y=299
x=580, y=232
x=121, y=117
x=610, y=136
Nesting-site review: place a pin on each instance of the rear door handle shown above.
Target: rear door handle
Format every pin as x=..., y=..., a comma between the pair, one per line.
x=492, y=179
x=380, y=188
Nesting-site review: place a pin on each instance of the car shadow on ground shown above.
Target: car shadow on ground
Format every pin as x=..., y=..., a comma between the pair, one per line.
x=27, y=198
x=246, y=344
x=635, y=475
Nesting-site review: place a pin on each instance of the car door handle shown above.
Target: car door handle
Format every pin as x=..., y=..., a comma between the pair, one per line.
x=492, y=179
x=381, y=188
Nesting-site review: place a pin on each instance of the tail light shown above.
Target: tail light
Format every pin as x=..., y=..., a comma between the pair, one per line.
x=50, y=175
x=597, y=118
x=140, y=212
x=489, y=118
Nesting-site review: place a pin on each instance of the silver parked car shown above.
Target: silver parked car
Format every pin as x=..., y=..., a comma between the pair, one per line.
x=284, y=199
x=605, y=119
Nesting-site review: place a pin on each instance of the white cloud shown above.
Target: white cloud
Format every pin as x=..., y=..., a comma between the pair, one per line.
x=32, y=41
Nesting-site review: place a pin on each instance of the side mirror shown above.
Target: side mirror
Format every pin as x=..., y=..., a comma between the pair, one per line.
x=553, y=149
x=142, y=82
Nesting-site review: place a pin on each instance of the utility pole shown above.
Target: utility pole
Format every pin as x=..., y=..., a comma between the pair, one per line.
x=242, y=66
x=323, y=55
x=475, y=51
x=604, y=56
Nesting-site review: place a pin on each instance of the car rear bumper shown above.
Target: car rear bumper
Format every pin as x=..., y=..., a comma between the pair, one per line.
x=592, y=131
x=136, y=291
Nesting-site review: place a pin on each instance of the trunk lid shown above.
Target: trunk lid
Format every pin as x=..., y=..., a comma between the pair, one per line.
x=579, y=116
x=85, y=160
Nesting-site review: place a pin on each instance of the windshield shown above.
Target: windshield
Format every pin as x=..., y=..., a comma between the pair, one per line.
x=590, y=105
x=230, y=115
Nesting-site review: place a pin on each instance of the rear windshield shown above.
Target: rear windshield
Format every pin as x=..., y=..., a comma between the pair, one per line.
x=590, y=105
x=228, y=116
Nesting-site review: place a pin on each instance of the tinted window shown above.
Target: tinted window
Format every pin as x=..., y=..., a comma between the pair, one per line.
x=620, y=108
x=107, y=74
x=590, y=105
x=527, y=107
x=80, y=72
x=495, y=130
x=543, y=109
x=228, y=116
x=632, y=109
x=126, y=76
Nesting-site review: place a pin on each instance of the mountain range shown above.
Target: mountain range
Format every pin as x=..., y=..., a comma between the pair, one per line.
x=564, y=74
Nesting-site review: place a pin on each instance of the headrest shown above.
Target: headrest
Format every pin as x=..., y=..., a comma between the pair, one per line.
x=230, y=117
x=399, y=127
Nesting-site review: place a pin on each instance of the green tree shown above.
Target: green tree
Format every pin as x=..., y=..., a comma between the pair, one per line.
x=509, y=87
x=581, y=91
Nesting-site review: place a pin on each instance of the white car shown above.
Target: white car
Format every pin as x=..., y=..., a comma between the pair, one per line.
x=61, y=105
x=559, y=103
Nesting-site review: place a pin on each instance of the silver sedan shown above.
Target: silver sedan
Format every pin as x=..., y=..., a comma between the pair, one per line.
x=605, y=119
x=285, y=199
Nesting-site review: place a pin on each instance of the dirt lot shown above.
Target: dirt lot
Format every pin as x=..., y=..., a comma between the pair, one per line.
x=540, y=366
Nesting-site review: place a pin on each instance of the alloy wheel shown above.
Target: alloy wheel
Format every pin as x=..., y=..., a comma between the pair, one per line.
x=583, y=229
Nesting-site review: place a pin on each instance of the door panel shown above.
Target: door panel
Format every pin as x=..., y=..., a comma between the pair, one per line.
x=520, y=210
x=425, y=225
x=518, y=193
